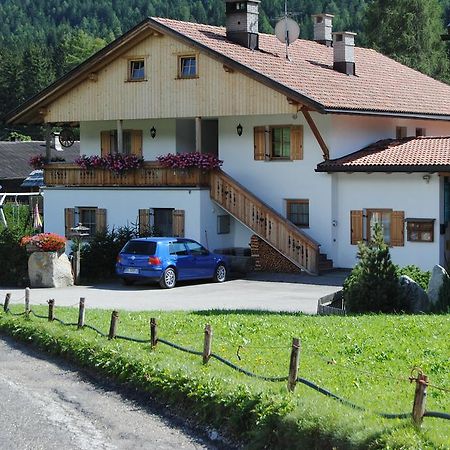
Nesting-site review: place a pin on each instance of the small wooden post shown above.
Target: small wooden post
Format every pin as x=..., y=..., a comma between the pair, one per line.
x=153, y=332
x=207, y=344
x=419, y=399
x=7, y=300
x=51, y=310
x=81, y=313
x=113, y=326
x=27, y=301
x=293, y=366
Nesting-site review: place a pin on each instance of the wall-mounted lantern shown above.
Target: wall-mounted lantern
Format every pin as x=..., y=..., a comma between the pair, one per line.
x=239, y=130
x=153, y=132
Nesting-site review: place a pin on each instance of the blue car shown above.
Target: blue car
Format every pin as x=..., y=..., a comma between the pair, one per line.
x=168, y=260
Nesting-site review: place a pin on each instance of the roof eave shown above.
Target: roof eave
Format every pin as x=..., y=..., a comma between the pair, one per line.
x=386, y=169
x=400, y=114
x=73, y=76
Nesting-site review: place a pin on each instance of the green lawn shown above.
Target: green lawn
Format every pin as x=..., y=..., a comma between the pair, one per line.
x=365, y=359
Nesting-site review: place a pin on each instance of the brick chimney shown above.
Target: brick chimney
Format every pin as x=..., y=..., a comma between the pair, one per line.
x=323, y=28
x=344, y=52
x=242, y=22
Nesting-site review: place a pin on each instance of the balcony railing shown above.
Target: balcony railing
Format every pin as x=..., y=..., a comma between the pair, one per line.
x=151, y=174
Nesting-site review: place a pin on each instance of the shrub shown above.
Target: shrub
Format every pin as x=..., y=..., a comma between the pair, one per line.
x=443, y=304
x=99, y=255
x=373, y=284
x=14, y=269
x=421, y=277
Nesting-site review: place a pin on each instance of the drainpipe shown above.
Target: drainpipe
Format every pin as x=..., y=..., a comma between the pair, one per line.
x=119, y=136
x=198, y=134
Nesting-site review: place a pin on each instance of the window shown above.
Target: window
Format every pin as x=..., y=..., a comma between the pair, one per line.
x=223, y=224
x=281, y=142
x=420, y=230
x=136, y=70
x=177, y=248
x=161, y=222
x=187, y=66
x=196, y=249
x=401, y=132
x=297, y=211
x=131, y=142
x=421, y=132
x=381, y=217
x=238, y=6
x=89, y=216
x=126, y=136
x=392, y=223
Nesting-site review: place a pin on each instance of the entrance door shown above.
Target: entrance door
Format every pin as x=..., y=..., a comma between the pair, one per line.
x=210, y=136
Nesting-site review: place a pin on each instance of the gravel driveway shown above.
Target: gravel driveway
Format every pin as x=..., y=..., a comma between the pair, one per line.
x=267, y=292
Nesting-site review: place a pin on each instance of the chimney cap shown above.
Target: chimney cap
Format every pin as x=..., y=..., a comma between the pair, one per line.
x=346, y=33
x=323, y=15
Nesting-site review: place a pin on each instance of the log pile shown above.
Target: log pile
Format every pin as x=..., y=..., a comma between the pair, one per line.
x=267, y=259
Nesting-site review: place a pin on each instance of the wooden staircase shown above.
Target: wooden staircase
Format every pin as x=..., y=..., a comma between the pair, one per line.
x=265, y=222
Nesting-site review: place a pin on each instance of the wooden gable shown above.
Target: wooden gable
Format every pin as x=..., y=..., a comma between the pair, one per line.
x=214, y=93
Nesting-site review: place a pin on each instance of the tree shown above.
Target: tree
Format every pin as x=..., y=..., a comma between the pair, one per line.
x=372, y=285
x=409, y=31
x=77, y=47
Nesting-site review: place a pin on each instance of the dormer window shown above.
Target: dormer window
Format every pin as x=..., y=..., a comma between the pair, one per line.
x=187, y=66
x=136, y=70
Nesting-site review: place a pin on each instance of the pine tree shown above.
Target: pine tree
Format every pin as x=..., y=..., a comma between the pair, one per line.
x=410, y=32
x=373, y=285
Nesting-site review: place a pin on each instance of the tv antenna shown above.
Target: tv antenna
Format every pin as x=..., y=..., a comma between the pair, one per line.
x=287, y=30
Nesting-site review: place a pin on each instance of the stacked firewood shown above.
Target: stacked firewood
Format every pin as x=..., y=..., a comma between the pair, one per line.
x=267, y=259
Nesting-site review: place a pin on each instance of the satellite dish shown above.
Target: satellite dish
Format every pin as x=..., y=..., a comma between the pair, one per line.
x=287, y=31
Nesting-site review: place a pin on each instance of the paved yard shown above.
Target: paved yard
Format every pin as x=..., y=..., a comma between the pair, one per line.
x=268, y=292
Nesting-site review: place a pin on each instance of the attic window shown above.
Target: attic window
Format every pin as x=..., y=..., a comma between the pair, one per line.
x=136, y=70
x=187, y=66
x=421, y=132
x=401, y=132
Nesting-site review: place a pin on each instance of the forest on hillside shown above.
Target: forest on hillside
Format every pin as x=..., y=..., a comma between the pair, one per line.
x=40, y=40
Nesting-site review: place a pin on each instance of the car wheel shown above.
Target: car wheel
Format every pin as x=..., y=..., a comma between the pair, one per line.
x=127, y=281
x=220, y=274
x=168, y=279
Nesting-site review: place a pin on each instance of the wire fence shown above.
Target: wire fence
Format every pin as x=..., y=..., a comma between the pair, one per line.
x=421, y=380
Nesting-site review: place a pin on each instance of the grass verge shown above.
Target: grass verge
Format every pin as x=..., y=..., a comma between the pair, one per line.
x=365, y=359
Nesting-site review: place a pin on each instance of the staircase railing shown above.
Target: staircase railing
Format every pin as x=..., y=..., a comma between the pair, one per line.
x=268, y=224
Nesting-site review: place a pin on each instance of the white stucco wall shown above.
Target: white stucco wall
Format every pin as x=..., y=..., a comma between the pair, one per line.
x=399, y=192
x=275, y=181
x=331, y=197
x=122, y=207
x=350, y=133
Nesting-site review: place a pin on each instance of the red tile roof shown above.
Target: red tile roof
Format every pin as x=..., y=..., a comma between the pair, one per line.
x=380, y=84
x=420, y=154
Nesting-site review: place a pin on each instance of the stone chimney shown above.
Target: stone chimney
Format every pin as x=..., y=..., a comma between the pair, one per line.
x=242, y=22
x=323, y=28
x=344, y=52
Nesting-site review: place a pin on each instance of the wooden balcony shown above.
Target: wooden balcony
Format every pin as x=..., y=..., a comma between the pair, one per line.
x=151, y=174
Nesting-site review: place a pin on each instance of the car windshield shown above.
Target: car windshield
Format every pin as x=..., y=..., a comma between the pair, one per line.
x=140, y=248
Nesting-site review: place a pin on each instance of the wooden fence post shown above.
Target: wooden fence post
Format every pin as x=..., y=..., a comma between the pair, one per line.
x=6, y=304
x=51, y=310
x=113, y=326
x=27, y=301
x=293, y=366
x=207, y=344
x=419, y=399
x=153, y=332
x=81, y=313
